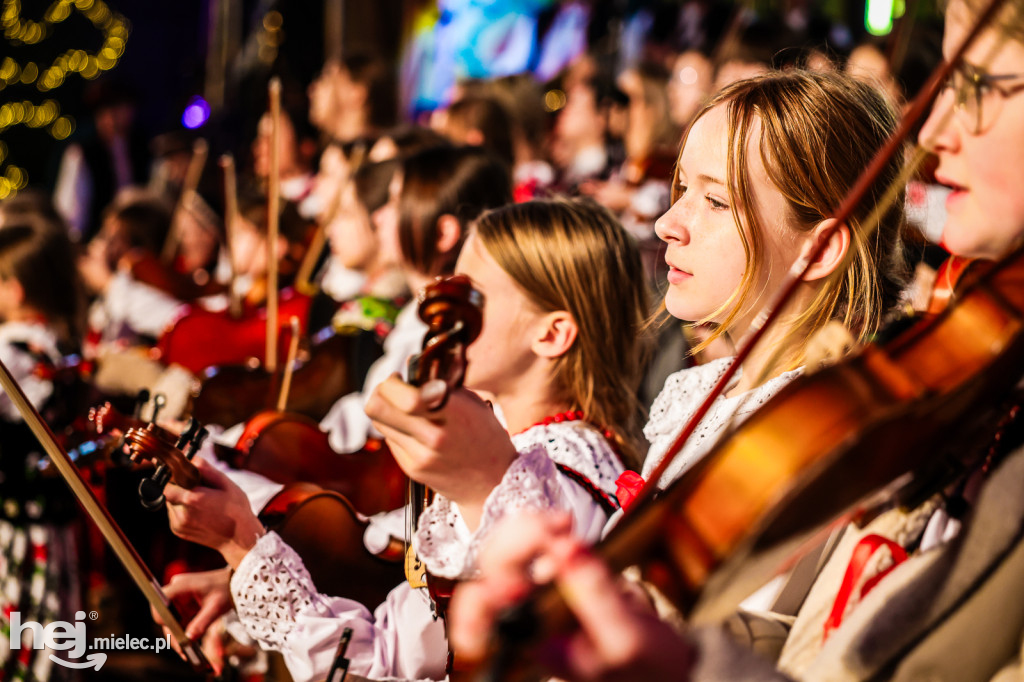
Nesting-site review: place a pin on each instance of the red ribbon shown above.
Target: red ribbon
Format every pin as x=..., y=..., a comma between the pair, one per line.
x=863, y=551
x=627, y=486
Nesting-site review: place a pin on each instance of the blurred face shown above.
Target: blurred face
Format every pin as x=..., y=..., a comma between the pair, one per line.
x=689, y=86
x=330, y=178
x=985, y=210
x=353, y=239
x=197, y=243
x=502, y=351
x=333, y=92
x=705, y=253
x=11, y=297
x=111, y=243
x=579, y=119
x=867, y=63
x=385, y=220
x=287, y=151
x=248, y=249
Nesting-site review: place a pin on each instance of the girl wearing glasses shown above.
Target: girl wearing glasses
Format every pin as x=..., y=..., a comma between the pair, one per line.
x=950, y=609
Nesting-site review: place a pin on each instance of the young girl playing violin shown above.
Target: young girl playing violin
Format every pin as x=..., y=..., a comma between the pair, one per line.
x=761, y=170
x=565, y=387
x=40, y=322
x=950, y=609
x=749, y=202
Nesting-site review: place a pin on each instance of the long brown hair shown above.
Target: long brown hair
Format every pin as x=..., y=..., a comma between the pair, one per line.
x=818, y=132
x=573, y=255
x=457, y=181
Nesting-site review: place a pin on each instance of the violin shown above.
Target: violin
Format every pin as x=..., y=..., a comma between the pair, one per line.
x=200, y=338
x=879, y=421
x=291, y=448
x=881, y=418
x=112, y=533
x=453, y=312
x=149, y=269
x=333, y=365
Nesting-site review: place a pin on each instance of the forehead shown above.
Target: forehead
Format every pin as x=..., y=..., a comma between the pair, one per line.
x=474, y=260
x=993, y=49
x=708, y=143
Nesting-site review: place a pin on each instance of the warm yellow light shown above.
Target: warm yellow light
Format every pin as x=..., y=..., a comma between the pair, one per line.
x=29, y=73
x=8, y=69
x=92, y=68
x=62, y=128
x=272, y=20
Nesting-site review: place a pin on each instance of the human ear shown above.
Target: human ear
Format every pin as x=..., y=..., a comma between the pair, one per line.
x=556, y=333
x=831, y=257
x=449, y=233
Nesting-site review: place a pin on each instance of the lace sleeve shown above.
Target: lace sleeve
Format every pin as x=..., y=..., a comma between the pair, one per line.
x=270, y=587
x=279, y=607
x=443, y=541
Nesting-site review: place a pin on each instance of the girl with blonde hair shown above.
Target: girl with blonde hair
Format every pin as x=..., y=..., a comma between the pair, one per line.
x=556, y=277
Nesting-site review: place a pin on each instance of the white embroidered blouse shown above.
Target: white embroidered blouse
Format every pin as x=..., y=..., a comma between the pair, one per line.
x=279, y=606
x=682, y=394
x=22, y=364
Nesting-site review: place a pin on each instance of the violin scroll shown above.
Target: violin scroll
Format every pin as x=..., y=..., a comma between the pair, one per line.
x=453, y=311
x=152, y=442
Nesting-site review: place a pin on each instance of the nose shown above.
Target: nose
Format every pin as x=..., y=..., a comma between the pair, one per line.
x=941, y=130
x=671, y=227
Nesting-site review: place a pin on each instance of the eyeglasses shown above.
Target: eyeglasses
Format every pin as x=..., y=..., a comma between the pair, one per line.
x=979, y=95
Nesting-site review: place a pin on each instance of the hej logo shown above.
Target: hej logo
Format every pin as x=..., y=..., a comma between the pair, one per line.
x=59, y=636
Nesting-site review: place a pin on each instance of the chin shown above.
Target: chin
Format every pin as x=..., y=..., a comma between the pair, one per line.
x=971, y=243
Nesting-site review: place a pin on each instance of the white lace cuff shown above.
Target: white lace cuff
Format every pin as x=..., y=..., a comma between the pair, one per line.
x=270, y=587
x=444, y=543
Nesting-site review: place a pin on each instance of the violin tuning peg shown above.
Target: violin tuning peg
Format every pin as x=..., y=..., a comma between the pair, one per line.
x=141, y=398
x=151, y=490
x=191, y=427
x=197, y=441
x=151, y=495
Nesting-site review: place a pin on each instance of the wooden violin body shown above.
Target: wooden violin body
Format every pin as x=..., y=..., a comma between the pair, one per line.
x=201, y=338
x=290, y=448
x=333, y=366
x=907, y=411
x=327, y=532
x=149, y=269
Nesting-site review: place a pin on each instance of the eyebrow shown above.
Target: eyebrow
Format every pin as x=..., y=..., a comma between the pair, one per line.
x=711, y=180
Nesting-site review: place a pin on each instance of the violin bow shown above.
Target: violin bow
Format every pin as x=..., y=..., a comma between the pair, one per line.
x=273, y=218
x=227, y=164
x=800, y=268
x=112, y=533
x=194, y=172
x=289, y=367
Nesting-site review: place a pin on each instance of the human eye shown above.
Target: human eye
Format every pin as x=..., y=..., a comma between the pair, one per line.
x=716, y=204
x=975, y=80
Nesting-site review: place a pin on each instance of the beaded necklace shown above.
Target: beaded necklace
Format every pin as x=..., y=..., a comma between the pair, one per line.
x=577, y=415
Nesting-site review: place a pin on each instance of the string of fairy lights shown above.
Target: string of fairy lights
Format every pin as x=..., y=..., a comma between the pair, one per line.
x=47, y=115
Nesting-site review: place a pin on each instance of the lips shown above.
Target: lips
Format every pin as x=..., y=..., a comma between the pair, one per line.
x=675, y=275
x=956, y=187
